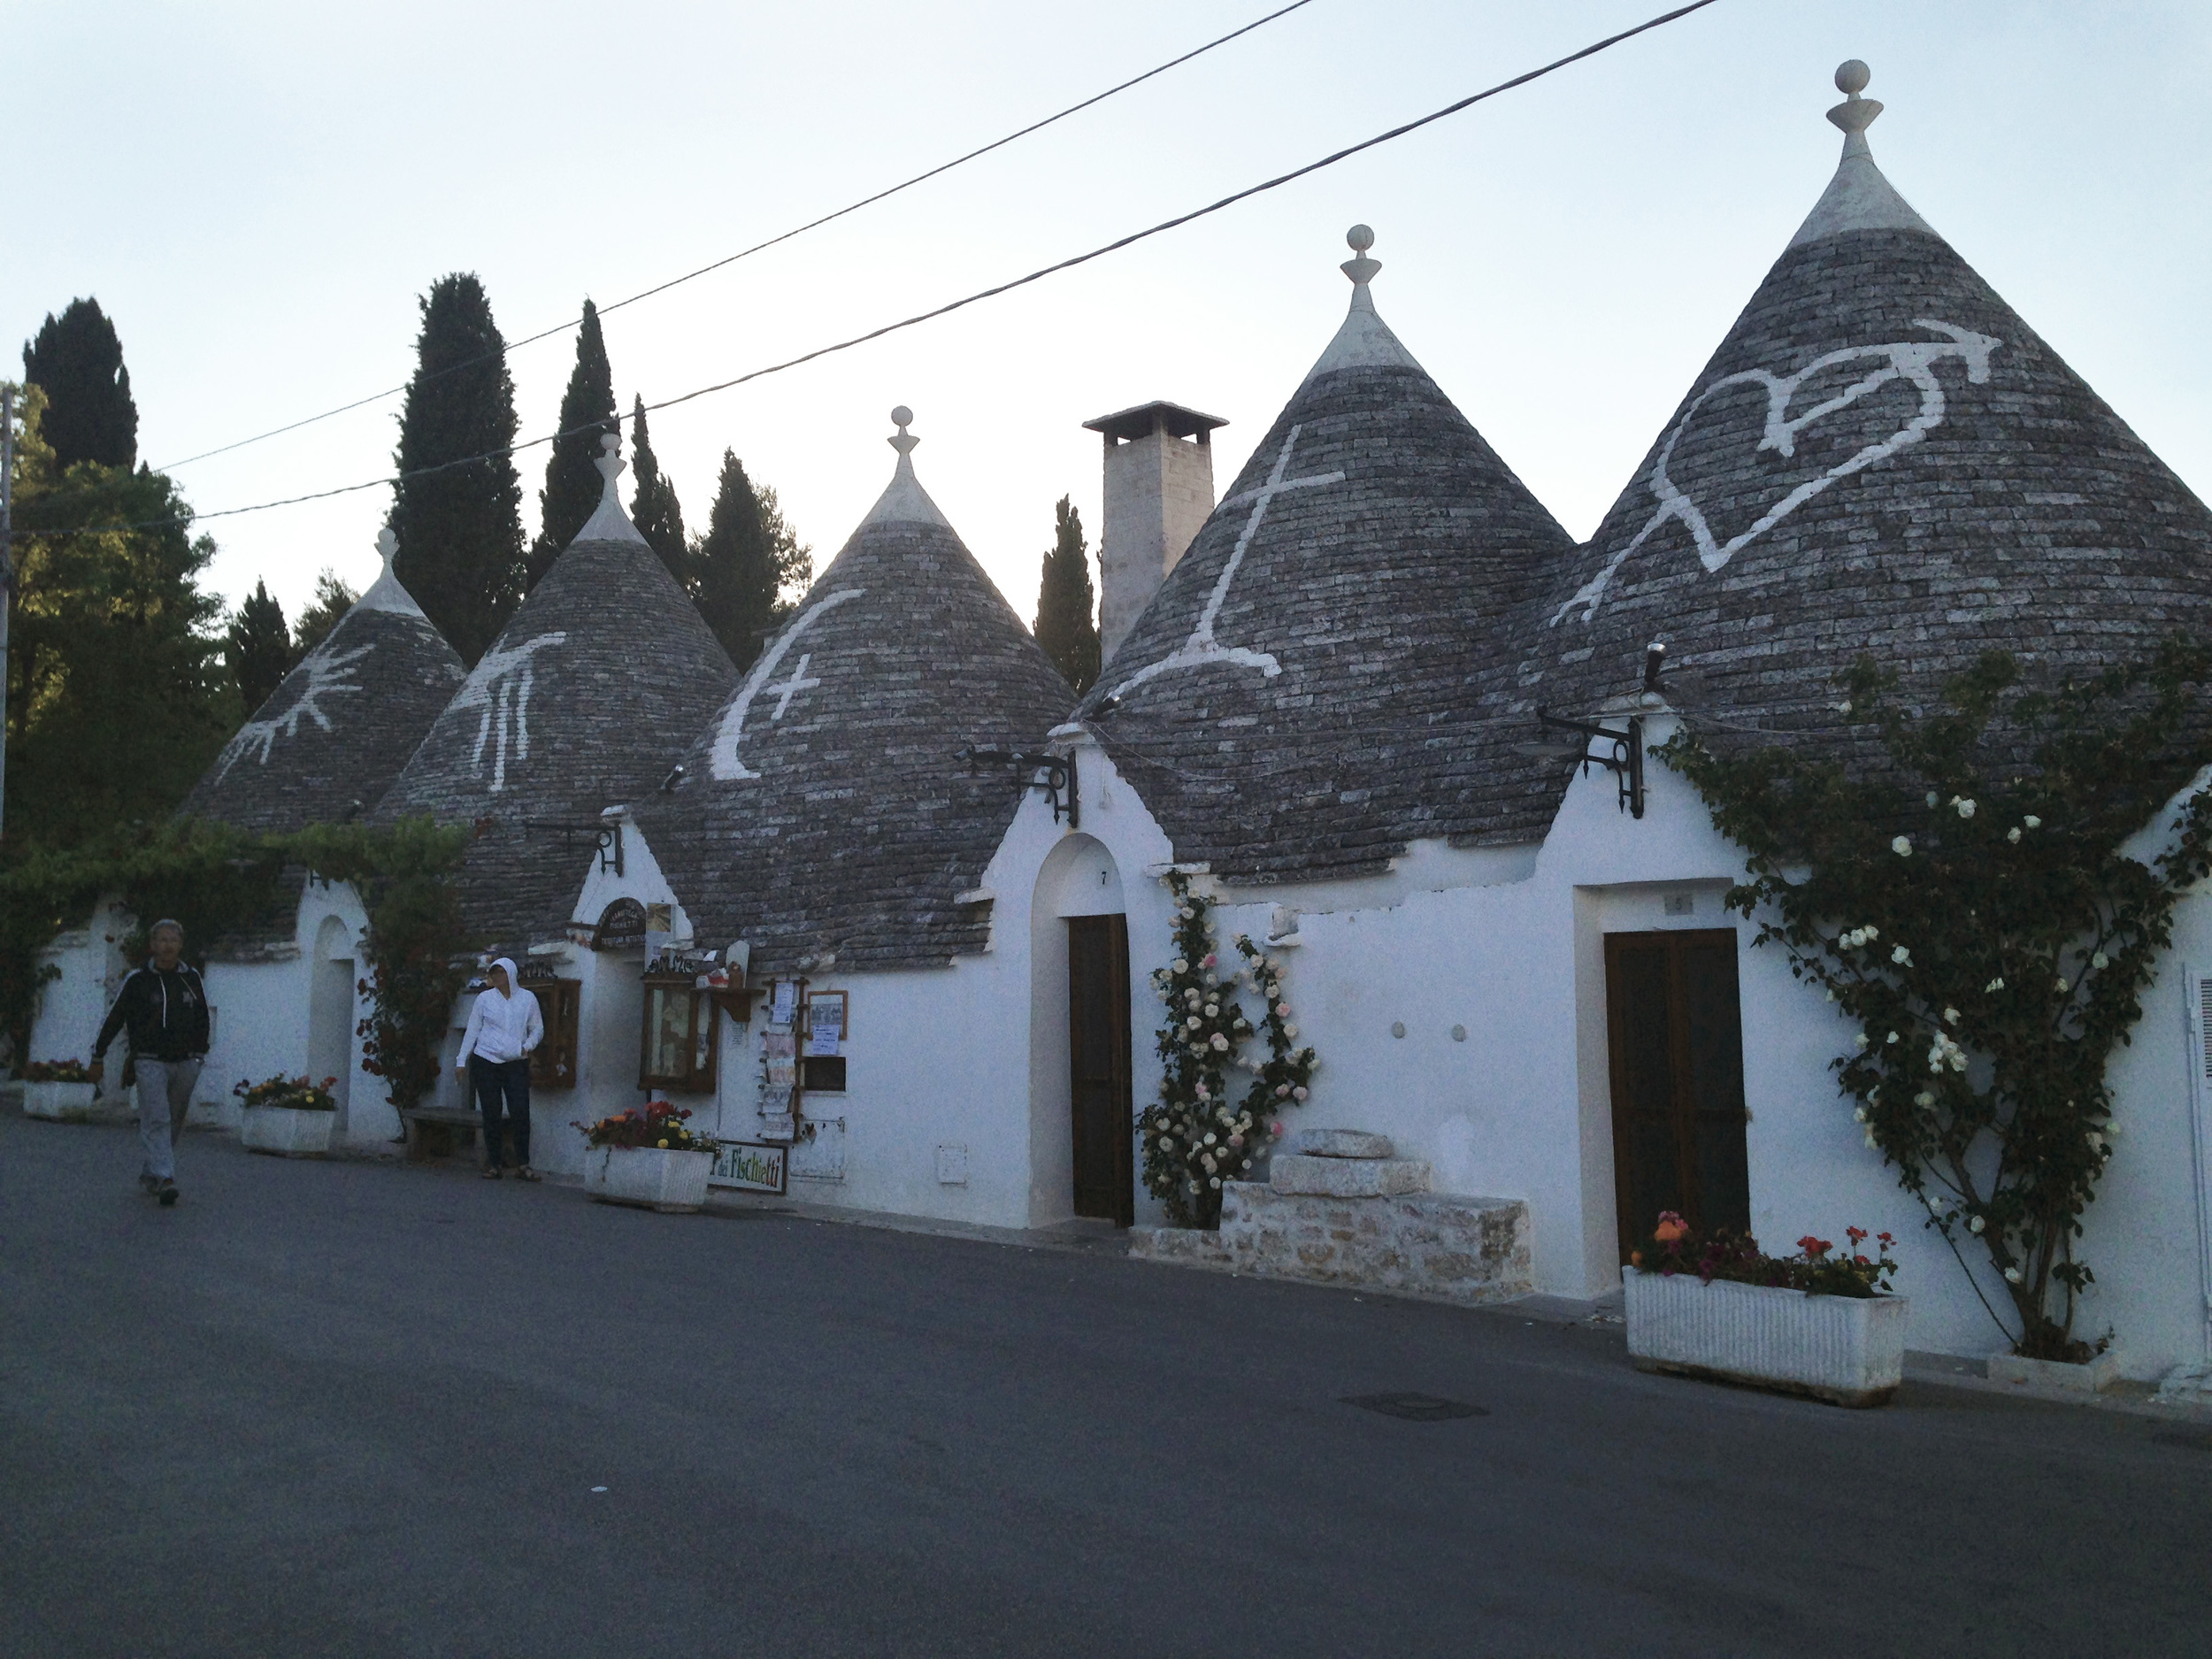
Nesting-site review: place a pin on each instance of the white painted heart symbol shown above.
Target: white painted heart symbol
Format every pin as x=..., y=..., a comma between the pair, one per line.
x=1913, y=360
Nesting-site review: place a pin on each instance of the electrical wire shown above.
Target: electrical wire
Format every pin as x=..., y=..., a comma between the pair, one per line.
x=919, y=317
x=758, y=247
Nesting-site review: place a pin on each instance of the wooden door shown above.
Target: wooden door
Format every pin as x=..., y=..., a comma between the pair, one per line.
x=1676, y=1032
x=553, y=1065
x=1098, y=1058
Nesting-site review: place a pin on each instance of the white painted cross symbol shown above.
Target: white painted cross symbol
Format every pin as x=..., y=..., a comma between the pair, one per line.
x=1202, y=647
x=792, y=687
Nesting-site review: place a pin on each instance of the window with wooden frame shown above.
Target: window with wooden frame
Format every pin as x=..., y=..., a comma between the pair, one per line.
x=677, y=1049
x=553, y=1063
x=822, y=1056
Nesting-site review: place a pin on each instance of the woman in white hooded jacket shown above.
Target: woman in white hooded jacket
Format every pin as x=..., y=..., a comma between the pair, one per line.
x=504, y=1028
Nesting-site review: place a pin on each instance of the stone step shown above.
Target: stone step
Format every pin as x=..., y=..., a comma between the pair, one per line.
x=1348, y=1177
x=1339, y=1143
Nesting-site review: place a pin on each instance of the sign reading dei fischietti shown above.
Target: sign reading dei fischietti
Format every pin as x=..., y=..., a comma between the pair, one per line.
x=751, y=1166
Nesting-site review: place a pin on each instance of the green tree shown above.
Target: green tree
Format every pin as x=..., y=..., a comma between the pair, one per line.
x=750, y=568
x=654, y=509
x=313, y=625
x=118, y=693
x=460, y=526
x=572, y=482
x=1066, y=625
x=78, y=359
x=258, y=647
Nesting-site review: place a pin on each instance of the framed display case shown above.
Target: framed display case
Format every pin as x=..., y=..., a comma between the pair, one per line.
x=553, y=1063
x=677, y=1051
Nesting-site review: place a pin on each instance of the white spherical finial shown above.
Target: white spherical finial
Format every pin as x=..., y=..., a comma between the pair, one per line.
x=1359, y=267
x=1359, y=239
x=386, y=544
x=610, y=461
x=1855, y=114
x=902, y=417
x=1852, y=76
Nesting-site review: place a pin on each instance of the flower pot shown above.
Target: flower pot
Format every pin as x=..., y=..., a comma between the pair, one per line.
x=670, y=1182
x=2062, y=1376
x=59, y=1102
x=286, y=1130
x=1847, y=1349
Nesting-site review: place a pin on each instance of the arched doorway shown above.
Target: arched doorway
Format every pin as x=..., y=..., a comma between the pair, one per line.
x=330, y=1011
x=1082, y=1121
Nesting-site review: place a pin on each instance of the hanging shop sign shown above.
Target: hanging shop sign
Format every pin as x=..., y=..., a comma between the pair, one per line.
x=621, y=927
x=751, y=1166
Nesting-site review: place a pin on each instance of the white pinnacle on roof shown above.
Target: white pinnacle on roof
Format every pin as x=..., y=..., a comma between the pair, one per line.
x=1858, y=197
x=1364, y=341
x=608, y=521
x=904, y=501
x=387, y=593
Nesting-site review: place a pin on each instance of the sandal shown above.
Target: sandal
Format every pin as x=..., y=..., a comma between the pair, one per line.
x=525, y=1173
x=492, y=1172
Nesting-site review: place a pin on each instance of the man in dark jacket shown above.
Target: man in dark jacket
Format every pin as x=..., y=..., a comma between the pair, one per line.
x=164, y=1006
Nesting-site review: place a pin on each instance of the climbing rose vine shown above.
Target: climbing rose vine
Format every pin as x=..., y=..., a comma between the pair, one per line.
x=1199, y=1134
x=1970, y=907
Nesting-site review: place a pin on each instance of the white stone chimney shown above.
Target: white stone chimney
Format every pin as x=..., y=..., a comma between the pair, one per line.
x=1159, y=490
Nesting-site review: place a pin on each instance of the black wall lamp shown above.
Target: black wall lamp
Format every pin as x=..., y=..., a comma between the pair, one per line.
x=1625, y=758
x=1054, y=774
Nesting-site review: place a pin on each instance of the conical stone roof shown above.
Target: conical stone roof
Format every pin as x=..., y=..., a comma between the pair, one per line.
x=331, y=739
x=1880, y=458
x=1295, y=700
x=825, y=815
x=587, y=697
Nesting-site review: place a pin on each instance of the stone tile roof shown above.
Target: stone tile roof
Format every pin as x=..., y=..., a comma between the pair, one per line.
x=1295, y=702
x=589, y=695
x=825, y=816
x=332, y=737
x=1881, y=457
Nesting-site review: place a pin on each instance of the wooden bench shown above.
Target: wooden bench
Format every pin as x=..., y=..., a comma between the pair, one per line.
x=437, y=1124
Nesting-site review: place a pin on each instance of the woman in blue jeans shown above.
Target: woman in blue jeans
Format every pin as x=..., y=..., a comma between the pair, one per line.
x=504, y=1028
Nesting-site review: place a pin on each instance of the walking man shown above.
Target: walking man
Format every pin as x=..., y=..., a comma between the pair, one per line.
x=164, y=1007
x=504, y=1028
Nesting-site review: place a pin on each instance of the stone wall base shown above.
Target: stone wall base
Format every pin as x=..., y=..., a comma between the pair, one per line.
x=1441, y=1245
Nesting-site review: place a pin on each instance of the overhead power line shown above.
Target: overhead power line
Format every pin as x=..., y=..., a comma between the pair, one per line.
x=1038, y=275
x=758, y=247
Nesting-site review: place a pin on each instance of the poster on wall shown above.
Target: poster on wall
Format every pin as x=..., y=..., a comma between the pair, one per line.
x=825, y=1023
x=751, y=1166
x=783, y=1003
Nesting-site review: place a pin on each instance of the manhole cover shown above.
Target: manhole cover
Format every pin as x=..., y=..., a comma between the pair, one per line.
x=1414, y=1407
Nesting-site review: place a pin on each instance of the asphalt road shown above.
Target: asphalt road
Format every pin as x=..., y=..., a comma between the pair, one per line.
x=351, y=1409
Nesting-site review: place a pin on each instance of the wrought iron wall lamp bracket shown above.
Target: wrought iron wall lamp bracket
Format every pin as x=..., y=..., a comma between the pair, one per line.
x=1625, y=762
x=1053, y=774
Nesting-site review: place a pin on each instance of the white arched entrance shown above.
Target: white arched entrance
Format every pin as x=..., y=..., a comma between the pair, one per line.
x=1081, y=1135
x=330, y=1020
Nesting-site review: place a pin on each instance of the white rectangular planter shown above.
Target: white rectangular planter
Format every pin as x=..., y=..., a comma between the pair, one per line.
x=2061, y=1376
x=670, y=1182
x=59, y=1102
x=1849, y=1349
x=286, y=1130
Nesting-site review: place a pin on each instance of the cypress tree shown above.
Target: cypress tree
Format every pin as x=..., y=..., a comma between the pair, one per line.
x=654, y=510
x=313, y=625
x=1066, y=625
x=460, y=529
x=573, y=483
x=78, y=359
x=750, y=567
x=257, y=648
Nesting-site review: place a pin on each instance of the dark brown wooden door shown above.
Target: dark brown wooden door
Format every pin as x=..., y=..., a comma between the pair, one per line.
x=1676, y=1032
x=1098, y=1057
x=553, y=1065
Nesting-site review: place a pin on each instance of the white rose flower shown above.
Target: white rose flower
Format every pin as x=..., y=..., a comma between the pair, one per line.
x=1932, y=798
x=1901, y=957
x=2064, y=987
x=1902, y=847
x=1870, y=930
x=1290, y=1031
x=1892, y=1037
x=1861, y=1040
x=1924, y=1098
x=2100, y=961
x=2032, y=822
x=1220, y=1042
x=1194, y=1022
x=1975, y=1226
x=1870, y=1139
x=1831, y=995
x=2013, y=834
x=1298, y=1094
x=1213, y=1010
x=1843, y=707
x=1950, y=1017
x=1994, y=986
x=2096, y=1141
x=1180, y=965
x=1214, y=1182
x=1209, y=1137
x=1935, y=1205
x=1860, y=1114
x=1966, y=808
x=2012, y=1276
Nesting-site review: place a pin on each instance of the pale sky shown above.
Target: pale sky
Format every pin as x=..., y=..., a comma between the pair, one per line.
x=257, y=194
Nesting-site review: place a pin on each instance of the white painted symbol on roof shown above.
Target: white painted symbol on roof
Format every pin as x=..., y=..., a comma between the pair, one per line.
x=1202, y=647
x=726, y=763
x=500, y=685
x=329, y=673
x=792, y=687
x=1913, y=360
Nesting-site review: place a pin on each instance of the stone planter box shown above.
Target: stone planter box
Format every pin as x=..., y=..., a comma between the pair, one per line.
x=1847, y=1349
x=286, y=1130
x=673, y=1183
x=59, y=1102
x=2061, y=1375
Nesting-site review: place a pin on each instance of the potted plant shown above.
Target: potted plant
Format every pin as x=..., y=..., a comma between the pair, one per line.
x=1818, y=1323
x=59, y=1090
x=648, y=1158
x=288, y=1116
